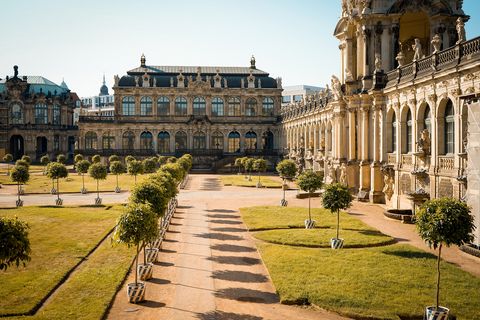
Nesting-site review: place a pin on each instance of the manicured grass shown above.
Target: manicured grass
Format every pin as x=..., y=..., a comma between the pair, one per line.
x=380, y=282
x=320, y=238
x=240, y=181
x=59, y=237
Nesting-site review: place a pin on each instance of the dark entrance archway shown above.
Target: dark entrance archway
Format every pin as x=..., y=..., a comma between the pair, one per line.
x=268, y=140
x=41, y=148
x=16, y=146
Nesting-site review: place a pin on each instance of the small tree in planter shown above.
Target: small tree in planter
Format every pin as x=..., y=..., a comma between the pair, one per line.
x=98, y=172
x=249, y=167
x=336, y=197
x=149, y=165
x=96, y=158
x=243, y=161
x=82, y=168
x=44, y=161
x=309, y=182
x=134, y=168
x=27, y=159
x=8, y=158
x=128, y=159
x=22, y=162
x=14, y=243
x=175, y=169
x=136, y=226
x=113, y=158
x=56, y=171
x=20, y=175
x=444, y=221
x=259, y=165
x=287, y=169
x=117, y=168
x=61, y=158
x=78, y=157
x=238, y=164
x=162, y=160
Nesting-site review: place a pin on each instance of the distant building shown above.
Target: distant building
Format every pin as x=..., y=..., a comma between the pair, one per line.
x=292, y=94
x=102, y=104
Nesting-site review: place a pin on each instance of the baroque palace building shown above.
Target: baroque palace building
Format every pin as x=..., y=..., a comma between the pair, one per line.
x=394, y=126
x=214, y=113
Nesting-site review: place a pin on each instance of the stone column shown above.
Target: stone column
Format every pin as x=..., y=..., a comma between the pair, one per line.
x=433, y=144
x=386, y=49
x=365, y=163
x=351, y=132
x=376, y=194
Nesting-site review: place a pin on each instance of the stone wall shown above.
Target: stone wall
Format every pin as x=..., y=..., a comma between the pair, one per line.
x=473, y=164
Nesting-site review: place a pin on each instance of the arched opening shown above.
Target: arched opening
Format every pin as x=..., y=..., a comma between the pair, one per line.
x=108, y=141
x=217, y=140
x=199, y=140
x=250, y=109
x=414, y=25
x=16, y=114
x=250, y=140
x=446, y=127
x=408, y=132
x=128, y=106
x=217, y=107
x=90, y=141
x=180, y=106
x=146, y=106
x=268, y=140
x=267, y=107
x=234, y=142
x=42, y=144
x=180, y=140
x=163, y=143
x=146, y=140
x=234, y=107
x=128, y=140
x=393, y=130
x=163, y=106
x=199, y=106
x=16, y=146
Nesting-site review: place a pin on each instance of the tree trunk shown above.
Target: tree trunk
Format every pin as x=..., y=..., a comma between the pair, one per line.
x=58, y=188
x=83, y=181
x=283, y=189
x=98, y=191
x=309, y=215
x=438, y=274
x=338, y=221
x=18, y=185
x=117, y=181
x=135, y=177
x=136, y=265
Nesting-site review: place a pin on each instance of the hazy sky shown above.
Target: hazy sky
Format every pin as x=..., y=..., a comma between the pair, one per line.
x=82, y=40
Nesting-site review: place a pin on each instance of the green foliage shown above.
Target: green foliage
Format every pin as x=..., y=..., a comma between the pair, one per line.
x=96, y=158
x=77, y=158
x=336, y=197
x=185, y=162
x=248, y=164
x=20, y=174
x=45, y=160
x=243, y=160
x=22, y=163
x=134, y=167
x=129, y=159
x=61, y=158
x=166, y=180
x=287, y=169
x=27, y=159
x=445, y=221
x=137, y=224
x=149, y=165
x=162, y=160
x=82, y=166
x=260, y=165
x=113, y=158
x=309, y=181
x=116, y=167
x=7, y=158
x=150, y=192
x=14, y=243
x=238, y=162
x=56, y=170
x=175, y=170
x=98, y=171
x=171, y=160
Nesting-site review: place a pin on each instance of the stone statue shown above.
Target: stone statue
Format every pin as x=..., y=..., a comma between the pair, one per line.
x=460, y=30
x=417, y=49
x=424, y=142
x=15, y=71
x=332, y=173
x=343, y=174
x=136, y=81
x=436, y=43
x=116, y=79
x=336, y=88
x=388, y=187
x=400, y=59
x=154, y=81
x=378, y=62
x=348, y=75
x=322, y=143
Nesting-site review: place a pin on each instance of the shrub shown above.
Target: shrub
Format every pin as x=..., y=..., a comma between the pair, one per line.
x=166, y=180
x=336, y=197
x=98, y=172
x=113, y=158
x=77, y=158
x=45, y=160
x=8, y=158
x=287, y=169
x=82, y=167
x=96, y=158
x=117, y=168
x=134, y=168
x=61, y=158
x=149, y=165
x=14, y=243
x=129, y=159
x=185, y=162
x=171, y=160
x=238, y=164
x=175, y=170
x=248, y=164
x=23, y=163
x=162, y=160
x=27, y=158
x=150, y=192
x=20, y=175
x=309, y=182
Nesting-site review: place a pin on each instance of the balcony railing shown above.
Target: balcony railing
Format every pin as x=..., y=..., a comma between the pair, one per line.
x=407, y=160
x=391, y=158
x=179, y=152
x=446, y=163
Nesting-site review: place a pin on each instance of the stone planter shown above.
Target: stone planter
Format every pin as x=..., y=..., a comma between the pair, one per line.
x=98, y=201
x=145, y=271
x=83, y=190
x=336, y=243
x=151, y=254
x=259, y=185
x=309, y=224
x=136, y=292
x=117, y=189
x=58, y=201
x=19, y=203
x=432, y=313
x=53, y=191
x=283, y=203
x=404, y=215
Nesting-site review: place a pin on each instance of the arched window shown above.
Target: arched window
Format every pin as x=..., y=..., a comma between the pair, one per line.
x=217, y=107
x=409, y=132
x=250, y=109
x=251, y=140
x=91, y=140
x=234, y=107
x=217, y=140
x=146, y=141
x=180, y=140
x=449, y=123
x=128, y=140
x=180, y=106
x=427, y=119
x=234, y=142
x=163, y=106
x=16, y=114
x=268, y=140
x=393, y=143
x=57, y=114
x=199, y=106
x=108, y=141
x=128, y=106
x=199, y=140
x=163, y=142
x=267, y=107
x=146, y=106
x=41, y=113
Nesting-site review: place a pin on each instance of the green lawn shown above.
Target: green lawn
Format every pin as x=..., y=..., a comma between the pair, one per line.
x=60, y=237
x=240, y=181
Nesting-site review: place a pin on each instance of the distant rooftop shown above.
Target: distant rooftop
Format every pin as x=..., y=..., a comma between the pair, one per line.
x=39, y=84
x=194, y=70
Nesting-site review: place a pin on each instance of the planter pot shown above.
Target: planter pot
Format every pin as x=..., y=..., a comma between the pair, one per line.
x=157, y=243
x=151, y=254
x=310, y=224
x=98, y=201
x=136, y=292
x=432, y=313
x=117, y=189
x=83, y=190
x=259, y=185
x=336, y=243
x=283, y=203
x=53, y=191
x=58, y=202
x=19, y=203
x=145, y=271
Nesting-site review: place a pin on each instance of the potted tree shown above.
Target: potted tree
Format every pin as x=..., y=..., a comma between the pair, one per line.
x=238, y=164
x=136, y=226
x=98, y=172
x=309, y=182
x=78, y=157
x=129, y=158
x=149, y=165
x=14, y=248
x=96, y=158
x=249, y=167
x=134, y=168
x=27, y=159
x=44, y=160
x=82, y=168
x=336, y=197
x=61, y=158
x=260, y=165
x=117, y=168
x=22, y=163
x=113, y=158
x=287, y=169
x=56, y=171
x=243, y=161
x=162, y=160
x=439, y=222
x=8, y=158
x=20, y=175
x=175, y=169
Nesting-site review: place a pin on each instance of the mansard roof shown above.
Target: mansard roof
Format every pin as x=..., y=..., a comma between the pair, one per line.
x=190, y=70
x=37, y=84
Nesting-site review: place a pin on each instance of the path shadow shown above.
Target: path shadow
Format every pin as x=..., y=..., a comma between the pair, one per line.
x=175, y=224
x=227, y=229
x=184, y=207
x=169, y=240
x=159, y=281
x=221, y=315
x=219, y=236
x=167, y=250
x=232, y=248
x=223, y=216
x=247, y=295
x=211, y=184
x=152, y=304
x=239, y=276
x=410, y=254
x=239, y=261
x=172, y=231
x=223, y=221
x=164, y=264
x=220, y=210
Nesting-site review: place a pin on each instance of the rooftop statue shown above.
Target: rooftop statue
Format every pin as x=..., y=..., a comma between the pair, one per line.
x=417, y=48
x=436, y=43
x=336, y=88
x=460, y=30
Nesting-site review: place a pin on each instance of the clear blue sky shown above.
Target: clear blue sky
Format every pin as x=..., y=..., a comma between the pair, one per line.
x=81, y=40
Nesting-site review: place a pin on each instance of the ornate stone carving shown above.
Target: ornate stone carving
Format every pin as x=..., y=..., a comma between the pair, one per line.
x=343, y=174
x=460, y=30
x=417, y=49
x=436, y=43
x=336, y=88
x=388, y=181
x=424, y=143
x=400, y=59
x=378, y=62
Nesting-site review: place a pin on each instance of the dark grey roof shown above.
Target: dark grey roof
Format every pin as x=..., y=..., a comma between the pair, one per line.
x=193, y=70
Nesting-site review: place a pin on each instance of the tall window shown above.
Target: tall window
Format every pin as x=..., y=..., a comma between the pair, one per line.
x=268, y=140
x=449, y=128
x=199, y=140
x=267, y=107
x=146, y=141
x=427, y=120
x=180, y=106
x=128, y=140
x=163, y=106
x=199, y=106
x=251, y=107
x=41, y=113
x=251, y=140
x=163, y=142
x=233, y=142
x=146, y=106
x=409, y=132
x=108, y=141
x=180, y=140
x=234, y=107
x=91, y=140
x=217, y=107
x=217, y=140
x=394, y=133
x=57, y=114
x=16, y=114
x=128, y=106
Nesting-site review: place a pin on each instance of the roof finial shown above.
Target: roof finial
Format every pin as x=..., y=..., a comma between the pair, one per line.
x=252, y=62
x=142, y=60
x=104, y=78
